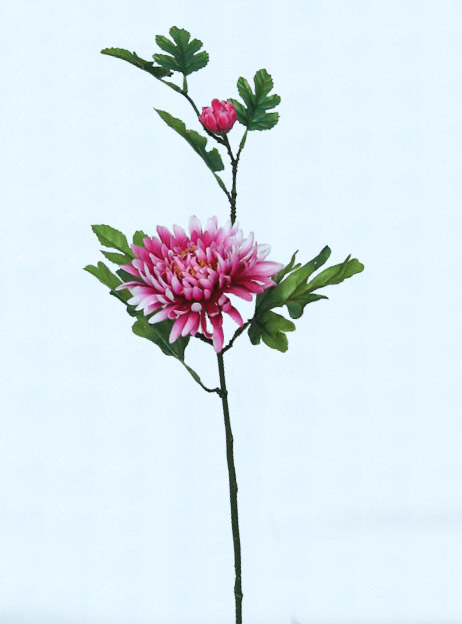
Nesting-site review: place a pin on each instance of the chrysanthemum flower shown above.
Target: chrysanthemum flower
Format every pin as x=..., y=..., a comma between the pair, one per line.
x=187, y=278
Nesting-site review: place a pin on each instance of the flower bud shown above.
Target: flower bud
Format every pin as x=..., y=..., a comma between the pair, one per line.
x=220, y=117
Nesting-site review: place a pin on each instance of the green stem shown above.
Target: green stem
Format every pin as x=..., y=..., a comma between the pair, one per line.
x=234, y=165
x=232, y=491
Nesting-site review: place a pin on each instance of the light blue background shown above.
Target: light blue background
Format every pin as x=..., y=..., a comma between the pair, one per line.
x=113, y=488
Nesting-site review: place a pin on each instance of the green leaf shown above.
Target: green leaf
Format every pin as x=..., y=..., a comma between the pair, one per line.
x=335, y=274
x=275, y=323
x=296, y=305
x=254, y=332
x=138, y=238
x=198, y=142
x=104, y=275
x=182, y=53
x=287, y=269
x=253, y=114
x=124, y=296
x=277, y=341
x=110, y=237
x=196, y=377
x=173, y=86
x=271, y=327
x=134, y=59
x=116, y=258
x=159, y=334
x=243, y=141
x=280, y=294
x=295, y=292
x=221, y=184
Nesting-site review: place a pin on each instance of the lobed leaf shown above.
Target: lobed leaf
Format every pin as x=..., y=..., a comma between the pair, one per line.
x=132, y=58
x=294, y=291
x=253, y=113
x=271, y=328
x=297, y=304
x=280, y=294
x=182, y=53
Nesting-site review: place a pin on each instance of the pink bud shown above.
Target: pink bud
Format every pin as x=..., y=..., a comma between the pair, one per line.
x=220, y=117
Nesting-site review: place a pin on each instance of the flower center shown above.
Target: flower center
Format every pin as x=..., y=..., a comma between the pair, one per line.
x=189, y=249
x=195, y=268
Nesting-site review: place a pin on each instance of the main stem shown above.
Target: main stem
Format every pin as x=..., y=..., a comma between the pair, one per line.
x=232, y=491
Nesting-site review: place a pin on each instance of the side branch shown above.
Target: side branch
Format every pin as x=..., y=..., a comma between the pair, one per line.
x=237, y=333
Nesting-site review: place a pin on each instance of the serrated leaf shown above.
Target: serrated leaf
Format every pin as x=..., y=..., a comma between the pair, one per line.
x=254, y=114
x=138, y=238
x=245, y=92
x=116, y=258
x=104, y=275
x=198, y=142
x=182, y=53
x=134, y=59
x=110, y=237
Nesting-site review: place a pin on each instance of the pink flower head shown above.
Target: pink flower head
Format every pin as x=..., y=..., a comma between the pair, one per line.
x=187, y=278
x=220, y=117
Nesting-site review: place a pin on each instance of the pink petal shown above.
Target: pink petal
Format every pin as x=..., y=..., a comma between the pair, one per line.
x=177, y=327
x=164, y=235
x=195, y=227
x=234, y=314
x=240, y=292
x=192, y=324
x=218, y=336
x=180, y=234
x=159, y=316
x=269, y=268
x=129, y=268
